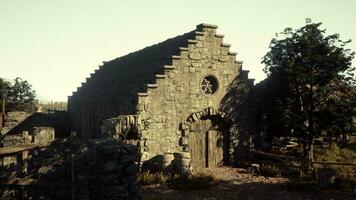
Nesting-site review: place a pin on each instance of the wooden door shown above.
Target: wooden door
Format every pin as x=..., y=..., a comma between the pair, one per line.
x=215, y=148
x=198, y=150
x=206, y=146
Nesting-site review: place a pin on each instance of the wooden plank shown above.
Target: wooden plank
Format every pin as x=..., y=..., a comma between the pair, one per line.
x=332, y=163
x=5, y=151
x=274, y=155
x=219, y=149
x=33, y=182
x=210, y=150
x=215, y=152
x=18, y=181
x=291, y=160
x=15, y=149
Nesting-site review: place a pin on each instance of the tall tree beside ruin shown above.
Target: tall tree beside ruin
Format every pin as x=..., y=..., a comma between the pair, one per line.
x=21, y=96
x=311, y=67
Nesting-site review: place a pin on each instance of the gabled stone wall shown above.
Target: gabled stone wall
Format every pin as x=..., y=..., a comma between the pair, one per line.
x=178, y=93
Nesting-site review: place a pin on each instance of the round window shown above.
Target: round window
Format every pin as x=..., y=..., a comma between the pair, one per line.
x=209, y=85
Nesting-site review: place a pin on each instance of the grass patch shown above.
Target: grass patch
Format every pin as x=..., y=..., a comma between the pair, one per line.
x=193, y=182
x=147, y=178
x=198, y=181
x=346, y=175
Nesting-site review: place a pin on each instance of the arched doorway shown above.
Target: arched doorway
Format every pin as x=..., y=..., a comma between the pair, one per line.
x=206, y=137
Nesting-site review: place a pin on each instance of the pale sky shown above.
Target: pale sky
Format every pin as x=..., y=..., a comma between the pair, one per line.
x=56, y=44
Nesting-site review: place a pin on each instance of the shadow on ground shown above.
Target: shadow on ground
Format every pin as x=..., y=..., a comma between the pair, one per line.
x=246, y=186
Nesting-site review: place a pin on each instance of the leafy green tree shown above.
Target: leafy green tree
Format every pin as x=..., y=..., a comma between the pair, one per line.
x=4, y=84
x=310, y=68
x=21, y=96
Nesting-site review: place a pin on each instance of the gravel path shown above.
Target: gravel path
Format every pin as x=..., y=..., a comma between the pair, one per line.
x=234, y=183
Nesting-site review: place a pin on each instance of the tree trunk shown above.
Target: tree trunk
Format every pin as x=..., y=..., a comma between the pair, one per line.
x=311, y=154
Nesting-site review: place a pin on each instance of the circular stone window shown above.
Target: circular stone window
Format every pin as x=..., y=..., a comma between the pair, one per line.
x=209, y=85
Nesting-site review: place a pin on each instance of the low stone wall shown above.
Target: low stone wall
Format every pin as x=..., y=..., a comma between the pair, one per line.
x=77, y=169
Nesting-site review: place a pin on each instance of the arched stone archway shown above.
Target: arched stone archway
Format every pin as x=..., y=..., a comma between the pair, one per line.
x=205, y=134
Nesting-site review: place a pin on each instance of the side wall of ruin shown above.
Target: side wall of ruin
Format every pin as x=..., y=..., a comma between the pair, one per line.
x=86, y=114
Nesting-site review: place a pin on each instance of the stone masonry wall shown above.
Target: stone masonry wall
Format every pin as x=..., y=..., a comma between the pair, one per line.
x=77, y=169
x=177, y=93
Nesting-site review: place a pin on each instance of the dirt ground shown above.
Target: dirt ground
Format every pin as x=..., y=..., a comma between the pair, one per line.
x=234, y=183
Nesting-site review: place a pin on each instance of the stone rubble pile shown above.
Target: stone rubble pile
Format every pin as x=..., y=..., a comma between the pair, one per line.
x=94, y=169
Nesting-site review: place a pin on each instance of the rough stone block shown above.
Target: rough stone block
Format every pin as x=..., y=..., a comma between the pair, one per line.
x=43, y=135
x=194, y=56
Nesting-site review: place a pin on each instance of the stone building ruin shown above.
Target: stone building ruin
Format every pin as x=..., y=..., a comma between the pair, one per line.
x=167, y=98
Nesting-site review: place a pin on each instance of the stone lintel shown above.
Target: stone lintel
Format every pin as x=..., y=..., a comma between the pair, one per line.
x=204, y=25
x=225, y=45
x=219, y=35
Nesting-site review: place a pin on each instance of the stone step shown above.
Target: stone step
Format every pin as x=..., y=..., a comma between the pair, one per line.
x=225, y=45
x=142, y=94
x=240, y=62
x=175, y=57
x=152, y=85
x=169, y=67
x=192, y=41
x=160, y=76
x=183, y=48
x=199, y=33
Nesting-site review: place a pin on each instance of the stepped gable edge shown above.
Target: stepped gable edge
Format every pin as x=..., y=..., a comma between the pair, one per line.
x=132, y=72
